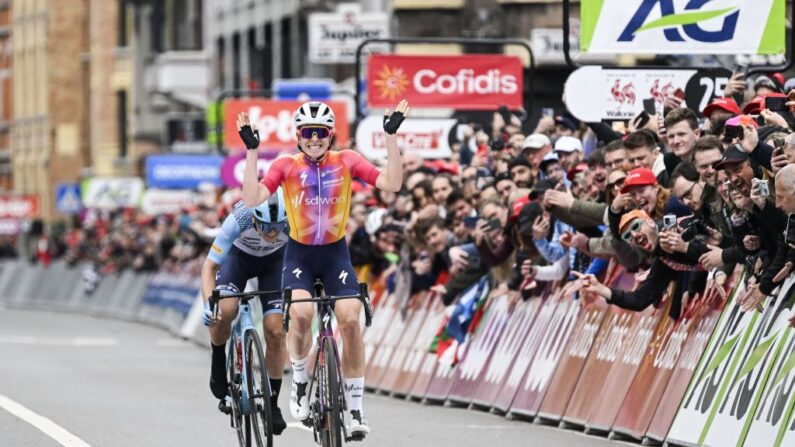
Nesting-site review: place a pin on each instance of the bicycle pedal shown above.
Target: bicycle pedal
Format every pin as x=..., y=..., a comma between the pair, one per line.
x=224, y=407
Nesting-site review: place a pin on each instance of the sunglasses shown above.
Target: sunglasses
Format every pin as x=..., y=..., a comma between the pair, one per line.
x=617, y=183
x=309, y=132
x=635, y=226
x=262, y=227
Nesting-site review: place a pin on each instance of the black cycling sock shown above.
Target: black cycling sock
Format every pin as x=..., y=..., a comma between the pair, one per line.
x=276, y=386
x=218, y=382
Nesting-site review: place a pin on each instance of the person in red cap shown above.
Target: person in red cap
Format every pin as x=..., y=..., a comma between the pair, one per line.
x=642, y=191
x=718, y=111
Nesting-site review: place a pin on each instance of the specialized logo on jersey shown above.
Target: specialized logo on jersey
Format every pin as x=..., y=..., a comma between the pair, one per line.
x=297, y=272
x=343, y=276
x=303, y=178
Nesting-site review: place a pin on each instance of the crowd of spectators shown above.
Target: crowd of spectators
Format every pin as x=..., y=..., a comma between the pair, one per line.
x=676, y=196
x=680, y=195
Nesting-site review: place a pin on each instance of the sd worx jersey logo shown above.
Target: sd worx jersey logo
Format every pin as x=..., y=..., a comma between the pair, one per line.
x=686, y=21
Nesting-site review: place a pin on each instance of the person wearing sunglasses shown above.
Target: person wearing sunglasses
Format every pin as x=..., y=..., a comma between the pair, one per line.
x=317, y=193
x=251, y=244
x=639, y=230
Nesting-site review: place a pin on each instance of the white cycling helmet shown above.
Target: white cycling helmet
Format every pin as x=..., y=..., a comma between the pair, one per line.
x=314, y=113
x=272, y=210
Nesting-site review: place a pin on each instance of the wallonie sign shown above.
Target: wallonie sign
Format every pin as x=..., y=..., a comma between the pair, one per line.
x=683, y=26
x=472, y=82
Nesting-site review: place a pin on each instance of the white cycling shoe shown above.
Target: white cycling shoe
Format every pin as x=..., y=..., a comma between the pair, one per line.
x=299, y=401
x=358, y=428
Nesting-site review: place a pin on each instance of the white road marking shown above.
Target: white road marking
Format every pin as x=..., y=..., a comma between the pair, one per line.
x=298, y=425
x=46, y=426
x=172, y=343
x=49, y=341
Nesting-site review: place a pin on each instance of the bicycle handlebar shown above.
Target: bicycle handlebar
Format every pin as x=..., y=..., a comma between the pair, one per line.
x=362, y=296
x=245, y=296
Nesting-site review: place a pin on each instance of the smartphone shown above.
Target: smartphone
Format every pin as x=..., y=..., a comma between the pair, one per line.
x=650, y=106
x=764, y=189
x=789, y=235
x=732, y=132
x=776, y=104
x=669, y=221
x=470, y=221
x=679, y=93
x=493, y=224
x=547, y=112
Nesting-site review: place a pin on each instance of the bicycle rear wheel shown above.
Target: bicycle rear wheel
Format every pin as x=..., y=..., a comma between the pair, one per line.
x=259, y=391
x=331, y=428
x=240, y=422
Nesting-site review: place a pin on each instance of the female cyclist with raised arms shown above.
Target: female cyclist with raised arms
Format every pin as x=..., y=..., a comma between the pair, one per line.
x=317, y=189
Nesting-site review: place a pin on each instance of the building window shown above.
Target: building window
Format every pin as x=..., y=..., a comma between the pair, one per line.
x=121, y=104
x=122, y=23
x=287, y=46
x=156, y=26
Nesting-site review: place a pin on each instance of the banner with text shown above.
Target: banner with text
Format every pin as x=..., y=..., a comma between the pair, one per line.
x=274, y=120
x=683, y=26
x=471, y=82
x=428, y=138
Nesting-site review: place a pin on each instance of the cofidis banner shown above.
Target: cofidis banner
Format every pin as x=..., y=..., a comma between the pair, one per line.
x=683, y=26
x=471, y=82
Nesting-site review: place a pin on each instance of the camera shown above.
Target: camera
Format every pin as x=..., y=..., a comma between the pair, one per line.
x=497, y=144
x=764, y=189
x=669, y=221
x=693, y=227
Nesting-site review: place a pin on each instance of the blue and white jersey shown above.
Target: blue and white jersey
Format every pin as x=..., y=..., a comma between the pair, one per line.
x=238, y=230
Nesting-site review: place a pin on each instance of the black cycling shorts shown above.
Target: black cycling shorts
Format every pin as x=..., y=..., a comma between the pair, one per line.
x=239, y=267
x=331, y=262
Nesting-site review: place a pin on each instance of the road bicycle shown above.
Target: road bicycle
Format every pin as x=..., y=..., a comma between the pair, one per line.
x=328, y=403
x=249, y=400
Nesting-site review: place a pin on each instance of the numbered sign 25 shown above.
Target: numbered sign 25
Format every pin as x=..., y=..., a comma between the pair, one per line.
x=704, y=86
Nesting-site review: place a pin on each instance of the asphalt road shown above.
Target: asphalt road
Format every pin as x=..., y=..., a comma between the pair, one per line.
x=96, y=382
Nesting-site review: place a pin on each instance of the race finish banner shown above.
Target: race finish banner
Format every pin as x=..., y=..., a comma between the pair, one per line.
x=470, y=82
x=274, y=120
x=593, y=93
x=683, y=26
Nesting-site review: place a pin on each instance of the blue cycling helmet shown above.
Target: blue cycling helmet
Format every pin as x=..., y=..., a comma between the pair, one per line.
x=272, y=210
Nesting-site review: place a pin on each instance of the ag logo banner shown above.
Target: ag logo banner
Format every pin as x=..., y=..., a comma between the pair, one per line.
x=683, y=26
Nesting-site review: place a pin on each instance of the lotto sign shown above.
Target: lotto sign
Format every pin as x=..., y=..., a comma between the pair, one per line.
x=683, y=26
x=472, y=82
x=274, y=120
x=428, y=138
x=19, y=207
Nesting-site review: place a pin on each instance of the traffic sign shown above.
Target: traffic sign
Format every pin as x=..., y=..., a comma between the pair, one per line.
x=302, y=89
x=67, y=198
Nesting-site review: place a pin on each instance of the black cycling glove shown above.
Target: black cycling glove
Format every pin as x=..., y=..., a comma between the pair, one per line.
x=250, y=137
x=393, y=122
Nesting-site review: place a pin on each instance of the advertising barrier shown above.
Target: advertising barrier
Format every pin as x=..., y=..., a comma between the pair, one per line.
x=470, y=82
x=112, y=192
x=334, y=37
x=717, y=376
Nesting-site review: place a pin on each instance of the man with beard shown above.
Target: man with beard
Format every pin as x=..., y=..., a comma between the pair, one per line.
x=521, y=172
x=639, y=230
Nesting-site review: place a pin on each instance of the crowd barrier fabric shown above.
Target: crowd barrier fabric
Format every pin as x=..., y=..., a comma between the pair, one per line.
x=431, y=311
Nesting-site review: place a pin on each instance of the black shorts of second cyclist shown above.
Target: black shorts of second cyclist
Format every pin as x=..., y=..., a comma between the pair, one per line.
x=239, y=267
x=331, y=262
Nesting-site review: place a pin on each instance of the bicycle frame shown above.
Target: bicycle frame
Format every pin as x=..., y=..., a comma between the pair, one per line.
x=243, y=324
x=325, y=335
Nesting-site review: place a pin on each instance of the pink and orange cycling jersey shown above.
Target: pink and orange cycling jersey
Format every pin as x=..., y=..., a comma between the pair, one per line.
x=318, y=195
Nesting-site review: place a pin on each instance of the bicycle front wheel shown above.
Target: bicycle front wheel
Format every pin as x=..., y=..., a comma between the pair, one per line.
x=240, y=422
x=332, y=419
x=259, y=391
